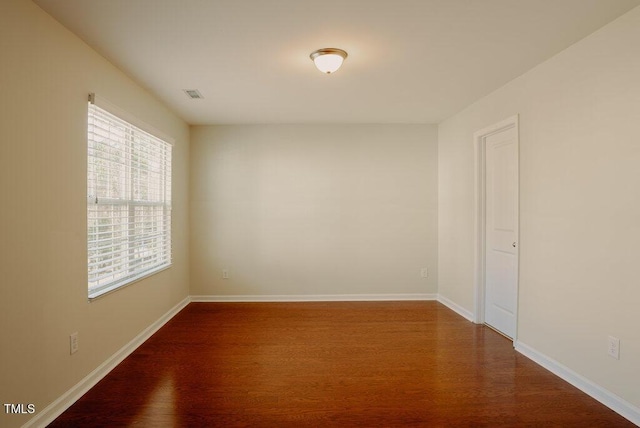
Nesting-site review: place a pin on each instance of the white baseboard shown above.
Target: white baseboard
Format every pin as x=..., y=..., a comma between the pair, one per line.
x=455, y=307
x=604, y=396
x=55, y=409
x=312, y=297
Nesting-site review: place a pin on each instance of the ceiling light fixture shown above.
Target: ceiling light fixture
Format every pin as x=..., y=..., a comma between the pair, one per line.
x=328, y=60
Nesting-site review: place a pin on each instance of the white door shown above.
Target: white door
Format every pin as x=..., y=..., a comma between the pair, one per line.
x=501, y=230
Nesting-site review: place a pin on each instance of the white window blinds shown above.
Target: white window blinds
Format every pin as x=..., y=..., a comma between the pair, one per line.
x=128, y=204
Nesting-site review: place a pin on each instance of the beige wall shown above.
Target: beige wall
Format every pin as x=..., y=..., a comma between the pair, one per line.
x=579, y=204
x=313, y=209
x=45, y=76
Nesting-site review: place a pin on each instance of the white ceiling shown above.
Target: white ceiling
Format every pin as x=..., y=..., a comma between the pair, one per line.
x=410, y=61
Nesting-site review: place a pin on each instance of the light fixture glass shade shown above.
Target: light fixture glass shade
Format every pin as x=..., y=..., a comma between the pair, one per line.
x=328, y=60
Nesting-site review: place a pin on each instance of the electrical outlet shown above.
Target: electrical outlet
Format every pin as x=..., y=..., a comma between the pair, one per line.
x=225, y=274
x=73, y=343
x=614, y=347
x=424, y=273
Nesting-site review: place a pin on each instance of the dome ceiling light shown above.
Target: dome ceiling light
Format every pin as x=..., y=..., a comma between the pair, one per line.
x=328, y=60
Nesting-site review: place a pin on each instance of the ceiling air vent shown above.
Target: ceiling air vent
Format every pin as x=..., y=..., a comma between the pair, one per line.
x=194, y=94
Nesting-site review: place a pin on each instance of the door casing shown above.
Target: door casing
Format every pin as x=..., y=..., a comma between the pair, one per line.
x=480, y=215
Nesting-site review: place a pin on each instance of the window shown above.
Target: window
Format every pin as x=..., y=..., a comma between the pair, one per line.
x=129, y=201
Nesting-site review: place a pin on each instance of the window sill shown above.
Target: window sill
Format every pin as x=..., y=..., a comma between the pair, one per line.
x=120, y=285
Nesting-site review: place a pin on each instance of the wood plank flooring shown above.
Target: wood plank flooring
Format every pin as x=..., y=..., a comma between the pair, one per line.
x=337, y=364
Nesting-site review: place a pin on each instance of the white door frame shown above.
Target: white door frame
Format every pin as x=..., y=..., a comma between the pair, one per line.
x=480, y=215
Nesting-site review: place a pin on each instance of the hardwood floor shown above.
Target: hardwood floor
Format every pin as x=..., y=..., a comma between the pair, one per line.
x=344, y=364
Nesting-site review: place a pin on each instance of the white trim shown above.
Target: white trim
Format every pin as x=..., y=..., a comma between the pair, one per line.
x=609, y=399
x=480, y=194
x=55, y=409
x=312, y=297
x=456, y=308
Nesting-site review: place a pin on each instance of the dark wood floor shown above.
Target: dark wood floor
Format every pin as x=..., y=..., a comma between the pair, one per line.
x=358, y=364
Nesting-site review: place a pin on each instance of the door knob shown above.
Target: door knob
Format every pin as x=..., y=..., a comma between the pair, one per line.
x=513, y=245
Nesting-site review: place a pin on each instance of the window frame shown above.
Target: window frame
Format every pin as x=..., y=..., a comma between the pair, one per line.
x=146, y=218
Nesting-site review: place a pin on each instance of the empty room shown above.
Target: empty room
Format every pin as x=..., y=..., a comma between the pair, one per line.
x=288, y=213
